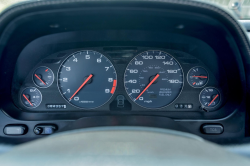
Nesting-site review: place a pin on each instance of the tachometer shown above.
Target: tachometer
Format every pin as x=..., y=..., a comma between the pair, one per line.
x=153, y=79
x=87, y=79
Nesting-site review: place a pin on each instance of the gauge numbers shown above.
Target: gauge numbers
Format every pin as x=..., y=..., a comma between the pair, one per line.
x=153, y=79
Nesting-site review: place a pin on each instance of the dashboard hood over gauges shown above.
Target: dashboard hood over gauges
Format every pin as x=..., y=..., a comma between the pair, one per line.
x=42, y=41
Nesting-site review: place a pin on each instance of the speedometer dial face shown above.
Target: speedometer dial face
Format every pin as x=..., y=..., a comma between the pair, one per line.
x=153, y=79
x=87, y=79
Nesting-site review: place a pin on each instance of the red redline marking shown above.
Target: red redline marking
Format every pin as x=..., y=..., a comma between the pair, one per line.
x=27, y=100
x=194, y=83
x=81, y=86
x=114, y=86
x=112, y=90
x=40, y=79
x=114, y=83
x=46, y=70
x=213, y=100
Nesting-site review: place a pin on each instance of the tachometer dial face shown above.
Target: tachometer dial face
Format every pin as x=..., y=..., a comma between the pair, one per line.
x=43, y=77
x=210, y=97
x=197, y=77
x=31, y=97
x=153, y=79
x=87, y=79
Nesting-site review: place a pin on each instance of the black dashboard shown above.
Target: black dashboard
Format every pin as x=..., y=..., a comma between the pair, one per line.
x=126, y=64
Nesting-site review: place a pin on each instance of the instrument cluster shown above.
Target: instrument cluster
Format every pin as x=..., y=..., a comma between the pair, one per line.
x=92, y=80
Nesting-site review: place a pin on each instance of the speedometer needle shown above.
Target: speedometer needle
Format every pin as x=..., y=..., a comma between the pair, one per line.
x=40, y=79
x=151, y=82
x=200, y=76
x=81, y=86
x=213, y=100
x=27, y=99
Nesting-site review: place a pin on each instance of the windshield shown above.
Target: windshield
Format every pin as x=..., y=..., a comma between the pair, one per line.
x=239, y=8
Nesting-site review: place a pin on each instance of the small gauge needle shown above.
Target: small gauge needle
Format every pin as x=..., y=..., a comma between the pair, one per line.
x=82, y=85
x=213, y=100
x=200, y=76
x=151, y=82
x=27, y=100
x=40, y=79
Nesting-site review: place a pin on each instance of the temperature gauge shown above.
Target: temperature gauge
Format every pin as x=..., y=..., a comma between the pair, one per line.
x=210, y=97
x=197, y=77
x=43, y=77
x=31, y=97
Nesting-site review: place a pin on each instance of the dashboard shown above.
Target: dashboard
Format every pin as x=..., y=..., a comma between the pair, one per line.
x=123, y=64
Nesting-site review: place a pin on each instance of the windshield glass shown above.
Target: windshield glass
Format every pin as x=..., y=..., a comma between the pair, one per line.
x=239, y=8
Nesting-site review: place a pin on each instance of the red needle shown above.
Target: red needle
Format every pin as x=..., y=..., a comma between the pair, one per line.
x=213, y=100
x=151, y=82
x=200, y=76
x=40, y=79
x=27, y=100
x=82, y=85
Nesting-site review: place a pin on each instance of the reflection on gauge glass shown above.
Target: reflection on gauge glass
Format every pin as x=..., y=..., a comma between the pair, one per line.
x=153, y=79
x=31, y=97
x=210, y=97
x=197, y=77
x=87, y=79
x=43, y=77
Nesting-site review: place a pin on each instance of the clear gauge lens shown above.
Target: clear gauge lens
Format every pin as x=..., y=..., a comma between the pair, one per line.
x=210, y=97
x=87, y=79
x=31, y=97
x=43, y=77
x=153, y=79
x=197, y=77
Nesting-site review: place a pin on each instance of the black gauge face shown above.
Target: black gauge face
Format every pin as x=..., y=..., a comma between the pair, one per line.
x=153, y=79
x=31, y=97
x=210, y=97
x=197, y=77
x=43, y=77
x=87, y=79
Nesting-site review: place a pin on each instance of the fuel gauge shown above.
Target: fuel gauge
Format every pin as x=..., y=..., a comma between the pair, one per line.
x=43, y=77
x=197, y=77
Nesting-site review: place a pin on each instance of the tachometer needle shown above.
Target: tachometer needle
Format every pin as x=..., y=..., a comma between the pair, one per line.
x=40, y=79
x=200, y=76
x=82, y=85
x=151, y=82
x=213, y=100
x=27, y=100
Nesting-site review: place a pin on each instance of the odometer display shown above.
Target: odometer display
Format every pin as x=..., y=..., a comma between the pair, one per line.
x=153, y=79
x=87, y=79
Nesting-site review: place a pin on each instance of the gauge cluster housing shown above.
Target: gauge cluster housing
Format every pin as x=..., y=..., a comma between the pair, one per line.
x=196, y=35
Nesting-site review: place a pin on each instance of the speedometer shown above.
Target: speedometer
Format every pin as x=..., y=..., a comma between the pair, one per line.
x=87, y=79
x=153, y=79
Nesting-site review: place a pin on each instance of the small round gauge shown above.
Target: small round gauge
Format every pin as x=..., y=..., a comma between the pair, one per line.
x=153, y=79
x=43, y=77
x=31, y=97
x=210, y=97
x=87, y=79
x=197, y=77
